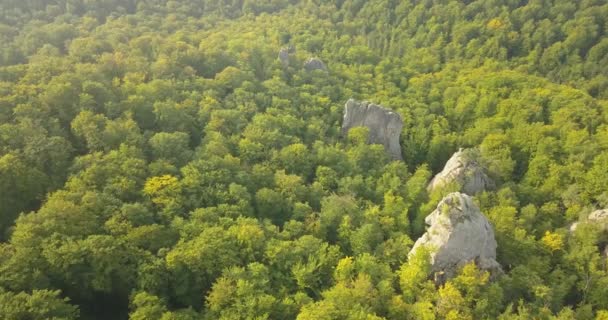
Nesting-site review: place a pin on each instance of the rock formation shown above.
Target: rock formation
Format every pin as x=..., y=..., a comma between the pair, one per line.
x=314, y=64
x=463, y=169
x=600, y=216
x=284, y=55
x=597, y=217
x=457, y=234
x=600, y=219
x=384, y=125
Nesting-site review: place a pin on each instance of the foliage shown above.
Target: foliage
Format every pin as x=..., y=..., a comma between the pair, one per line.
x=157, y=161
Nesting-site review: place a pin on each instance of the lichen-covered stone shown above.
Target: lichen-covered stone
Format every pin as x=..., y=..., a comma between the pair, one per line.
x=384, y=125
x=458, y=233
x=464, y=170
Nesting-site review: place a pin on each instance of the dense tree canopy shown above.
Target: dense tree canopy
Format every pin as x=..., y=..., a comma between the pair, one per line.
x=158, y=161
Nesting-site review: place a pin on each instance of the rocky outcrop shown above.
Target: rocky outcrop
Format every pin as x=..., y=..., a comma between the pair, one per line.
x=464, y=170
x=384, y=125
x=284, y=55
x=597, y=217
x=458, y=233
x=600, y=216
x=314, y=64
x=600, y=219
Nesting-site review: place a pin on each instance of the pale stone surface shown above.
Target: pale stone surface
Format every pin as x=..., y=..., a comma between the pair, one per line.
x=463, y=169
x=384, y=125
x=458, y=233
x=314, y=64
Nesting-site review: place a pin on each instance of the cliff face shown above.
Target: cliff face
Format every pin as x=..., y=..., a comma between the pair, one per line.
x=458, y=233
x=384, y=125
x=463, y=169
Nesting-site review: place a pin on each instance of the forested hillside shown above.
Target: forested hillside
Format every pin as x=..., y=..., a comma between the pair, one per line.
x=159, y=161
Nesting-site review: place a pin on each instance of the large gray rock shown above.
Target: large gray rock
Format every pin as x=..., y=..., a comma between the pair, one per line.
x=464, y=170
x=458, y=233
x=314, y=64
x=384, y=125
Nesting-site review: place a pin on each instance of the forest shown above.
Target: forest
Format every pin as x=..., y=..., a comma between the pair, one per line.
x=180, y=160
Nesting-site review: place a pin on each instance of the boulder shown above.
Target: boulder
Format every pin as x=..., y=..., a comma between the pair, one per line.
x=458, y=233
x=463, y=169
x=384, y=125
x=314, y=64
